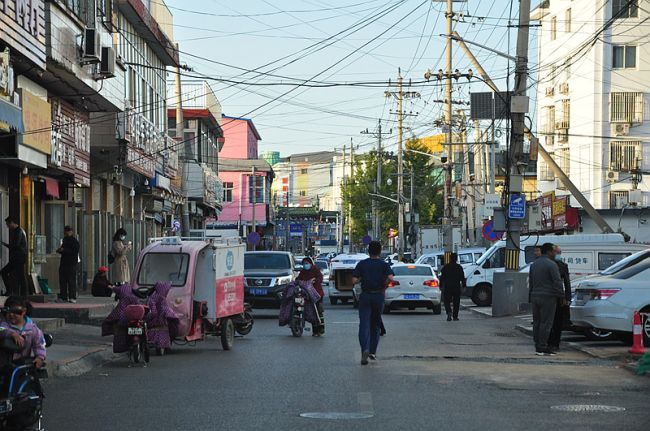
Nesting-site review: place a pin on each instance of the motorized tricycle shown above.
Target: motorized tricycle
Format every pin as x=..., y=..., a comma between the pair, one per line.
x=207, y=285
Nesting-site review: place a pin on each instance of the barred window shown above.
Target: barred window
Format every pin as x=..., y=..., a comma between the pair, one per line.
x=619, y=199
x=624, y=155
x=626, y=107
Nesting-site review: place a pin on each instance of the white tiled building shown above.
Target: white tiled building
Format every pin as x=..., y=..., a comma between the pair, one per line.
x=593, y=98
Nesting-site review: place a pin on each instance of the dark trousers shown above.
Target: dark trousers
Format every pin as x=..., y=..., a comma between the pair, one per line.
x=13, y=276
x=371, y=305
x=320, y=329
x=451, y=296
x=68, y=282
x=543, y=316
x=561, y=316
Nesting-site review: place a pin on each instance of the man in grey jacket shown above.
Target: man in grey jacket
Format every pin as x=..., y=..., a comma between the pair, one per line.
x=546, y=289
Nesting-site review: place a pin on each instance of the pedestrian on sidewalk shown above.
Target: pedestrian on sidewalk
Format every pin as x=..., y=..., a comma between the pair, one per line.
x=373, y=274
x=120, y=249
x=312, y=272
x=69, y=251
x=13, y=273
x=562, y=310
x=452, y=278
x=546, y=289
x=101, y=285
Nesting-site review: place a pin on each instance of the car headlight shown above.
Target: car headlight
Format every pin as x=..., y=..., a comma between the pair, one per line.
x=283, y=280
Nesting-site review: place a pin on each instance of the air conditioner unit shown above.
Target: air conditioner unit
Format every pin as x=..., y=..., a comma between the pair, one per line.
x=107, y=65
x=620, y=129
x=564, y=88
x=91, y=46
x=550, y=91
x=612, y=176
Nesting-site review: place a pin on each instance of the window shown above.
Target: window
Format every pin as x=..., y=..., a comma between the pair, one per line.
x=256, y=183
x=618, y=199
x=562, y=117
x=544, y=172
x=605, y=260
x=498, y=259
x=529, y=253
x=171, y=267
x=548, y=125
x=563, y=159
x=624, y=155
x=410, y=270
x=567, y=21
x=626, y=107
x=554, y=28
x=624, y=57
x=227, y=192
x=303, y=171
x=303, y=193
x=465, y=258
x=625, y=8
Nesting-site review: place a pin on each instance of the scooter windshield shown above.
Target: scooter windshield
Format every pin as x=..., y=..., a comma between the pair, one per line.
x=164, y=267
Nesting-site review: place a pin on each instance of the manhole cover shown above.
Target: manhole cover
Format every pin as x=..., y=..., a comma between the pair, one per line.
x=588, y=408
x=333, y=416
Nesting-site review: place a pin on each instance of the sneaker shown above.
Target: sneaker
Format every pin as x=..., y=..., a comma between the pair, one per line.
x=448, y=317
x=372, y=356
x=364, y=358
x=550, y=352
x=455, y=319
x=72, y=301
x=541, y=353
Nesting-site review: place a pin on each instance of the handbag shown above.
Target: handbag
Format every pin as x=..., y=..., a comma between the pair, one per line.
x=111, y=258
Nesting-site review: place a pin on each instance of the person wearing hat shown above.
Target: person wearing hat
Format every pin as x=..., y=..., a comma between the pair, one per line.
x=101, y=286
x=69, y=251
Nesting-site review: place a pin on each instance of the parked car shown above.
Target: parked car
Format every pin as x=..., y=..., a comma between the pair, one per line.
x=607, y=303
x=266, y=274
x=324, y=267
x=466, y=257
x=414, y=286
x=340, y=285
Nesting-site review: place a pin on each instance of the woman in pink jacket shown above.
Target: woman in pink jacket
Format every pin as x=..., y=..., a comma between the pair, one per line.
x=23, y=330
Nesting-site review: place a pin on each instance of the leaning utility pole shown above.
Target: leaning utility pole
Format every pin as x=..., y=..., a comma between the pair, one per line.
x=254, y=199
x=180, y=134
x=448, y=215
x=519, y=108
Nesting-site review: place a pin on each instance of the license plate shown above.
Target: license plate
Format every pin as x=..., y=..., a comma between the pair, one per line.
x=134, y=331
x=5, y=406
x=259, y=292
x=300, y=301
x=412, y=296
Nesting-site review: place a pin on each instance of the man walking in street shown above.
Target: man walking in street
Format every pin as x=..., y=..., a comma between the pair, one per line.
x=452, y=279
x=562, y=311
x=374, y=274
x=13, y=273
x=546, y=290
x=69, y=252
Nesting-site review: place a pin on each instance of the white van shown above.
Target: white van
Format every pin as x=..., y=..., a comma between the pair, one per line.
x=340, y=285
x=585, y=255
x=466, y=257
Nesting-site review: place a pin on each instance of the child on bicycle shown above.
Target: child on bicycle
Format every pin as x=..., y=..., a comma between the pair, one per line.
x=23, y=330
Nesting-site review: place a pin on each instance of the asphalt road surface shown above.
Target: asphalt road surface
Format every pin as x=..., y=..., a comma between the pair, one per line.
x=475, y=374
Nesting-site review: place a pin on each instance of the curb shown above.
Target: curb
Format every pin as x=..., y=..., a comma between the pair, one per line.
x=50, y=324
x=483, y=312
x=81, y=364
x=528, y=330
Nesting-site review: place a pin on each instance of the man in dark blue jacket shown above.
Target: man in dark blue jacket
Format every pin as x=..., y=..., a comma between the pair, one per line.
x=13, y=273
x=69, y=252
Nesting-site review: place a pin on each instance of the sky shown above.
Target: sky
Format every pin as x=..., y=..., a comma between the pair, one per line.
x=248, y=50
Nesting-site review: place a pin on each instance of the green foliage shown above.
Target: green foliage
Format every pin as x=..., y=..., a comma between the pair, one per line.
x=428, y=183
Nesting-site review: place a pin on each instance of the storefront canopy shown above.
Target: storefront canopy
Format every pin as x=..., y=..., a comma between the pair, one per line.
x=12, y=115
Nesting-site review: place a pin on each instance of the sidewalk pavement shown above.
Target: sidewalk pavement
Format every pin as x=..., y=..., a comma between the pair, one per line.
x=88, y=310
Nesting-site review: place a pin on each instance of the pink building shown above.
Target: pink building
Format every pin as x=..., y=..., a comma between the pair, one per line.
x=241, y=138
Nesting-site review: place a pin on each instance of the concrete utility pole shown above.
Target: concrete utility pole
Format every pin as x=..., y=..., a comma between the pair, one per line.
x=350, y=200
x=180, y=134
x=519, y=108
x=448, y=216
x=344, y=219
x=254, y=199
x=376, y=215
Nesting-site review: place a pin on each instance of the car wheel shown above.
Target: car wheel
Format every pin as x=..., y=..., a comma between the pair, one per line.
x=595, y=334
x=437, y=309
x=645, y=325
x=334, y=301
x=482, y=295
x=345, y=301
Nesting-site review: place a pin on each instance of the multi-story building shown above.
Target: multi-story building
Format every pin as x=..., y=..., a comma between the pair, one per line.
x=593, y=98
x=202, y=139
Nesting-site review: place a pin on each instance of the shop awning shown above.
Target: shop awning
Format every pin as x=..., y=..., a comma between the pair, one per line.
x=52, y=188
x=12, y=115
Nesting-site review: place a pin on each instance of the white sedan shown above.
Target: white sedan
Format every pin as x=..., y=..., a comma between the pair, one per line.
x=414, y=286
x=608, y=302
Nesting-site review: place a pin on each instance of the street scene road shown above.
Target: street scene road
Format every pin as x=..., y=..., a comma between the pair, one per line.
x=473, y=374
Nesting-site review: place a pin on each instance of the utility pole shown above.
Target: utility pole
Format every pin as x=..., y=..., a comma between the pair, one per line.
x=350, y=200
x=448, y=216
x=180, y=134
x=344, y=209
x=519, y=108
x=376, y=215
x=400, y=95
x=254, y=199
x=412, y=216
